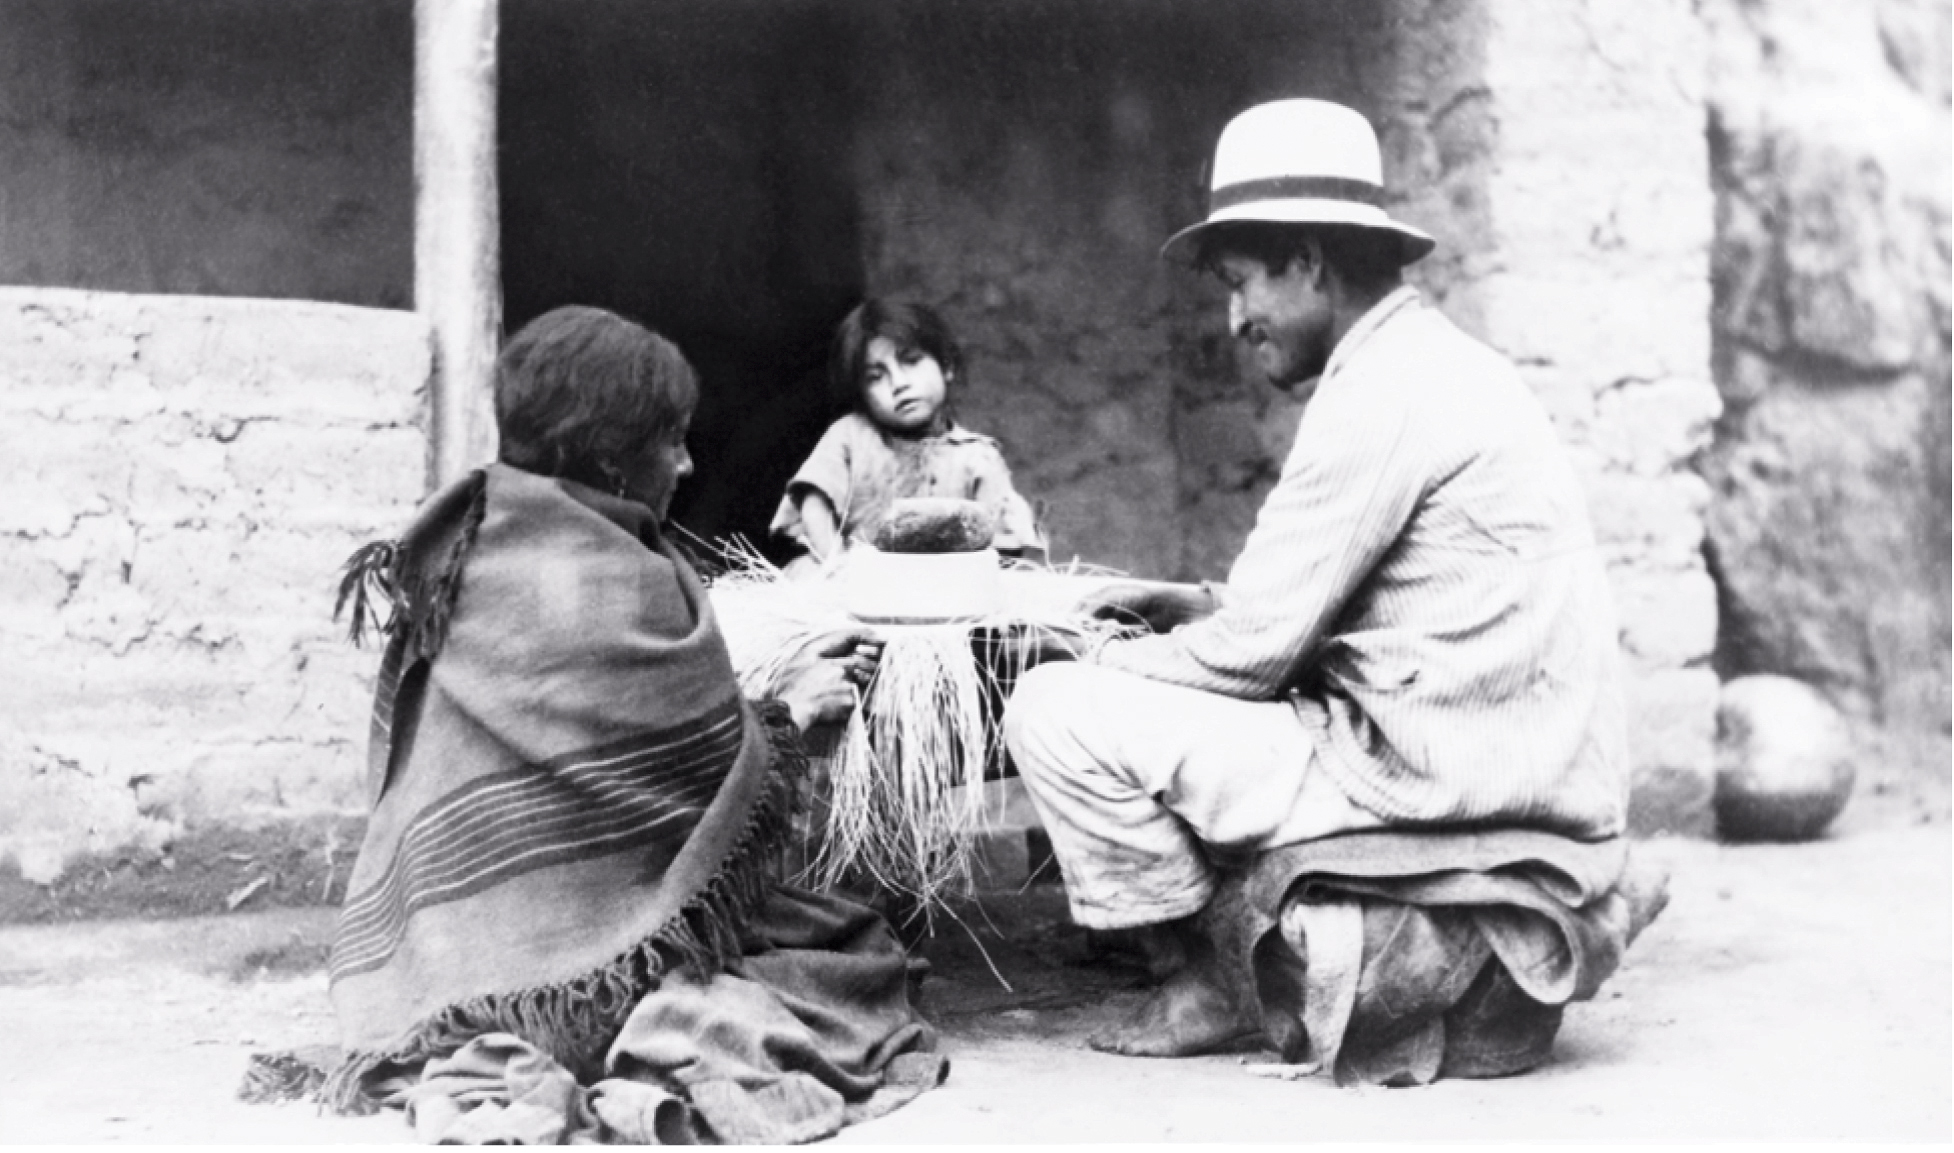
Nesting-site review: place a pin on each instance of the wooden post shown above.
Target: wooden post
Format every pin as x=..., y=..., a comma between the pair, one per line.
x=457, y=225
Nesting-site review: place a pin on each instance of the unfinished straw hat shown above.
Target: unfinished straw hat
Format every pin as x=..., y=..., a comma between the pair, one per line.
x=1298, y=162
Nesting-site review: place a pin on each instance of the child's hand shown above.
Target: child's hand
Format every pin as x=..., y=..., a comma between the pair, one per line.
x=820, y=524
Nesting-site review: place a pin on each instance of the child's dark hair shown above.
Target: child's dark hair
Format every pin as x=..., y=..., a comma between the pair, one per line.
x=910, y=327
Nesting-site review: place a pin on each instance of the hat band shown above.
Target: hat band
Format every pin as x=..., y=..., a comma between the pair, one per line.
x=1295, y=188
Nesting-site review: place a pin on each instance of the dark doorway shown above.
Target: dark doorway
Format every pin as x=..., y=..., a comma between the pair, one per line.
x=684, y=163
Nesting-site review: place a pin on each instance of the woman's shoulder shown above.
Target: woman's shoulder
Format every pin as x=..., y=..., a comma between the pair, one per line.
x=540, y=527
x=567, y=564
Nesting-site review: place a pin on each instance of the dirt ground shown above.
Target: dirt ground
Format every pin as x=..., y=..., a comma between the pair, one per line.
x=1789, y=992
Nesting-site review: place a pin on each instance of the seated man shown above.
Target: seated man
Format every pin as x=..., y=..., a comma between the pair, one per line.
x=1413, y=656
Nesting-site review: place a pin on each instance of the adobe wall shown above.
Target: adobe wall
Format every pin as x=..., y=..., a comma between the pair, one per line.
x=184, y=477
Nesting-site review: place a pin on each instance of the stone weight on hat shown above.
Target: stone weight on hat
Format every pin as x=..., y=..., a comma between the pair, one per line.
x=1298, y=162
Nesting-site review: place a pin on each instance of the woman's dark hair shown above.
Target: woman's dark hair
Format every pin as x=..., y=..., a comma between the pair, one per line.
x=910, y=327
x=1364, y=258
x=579, y=390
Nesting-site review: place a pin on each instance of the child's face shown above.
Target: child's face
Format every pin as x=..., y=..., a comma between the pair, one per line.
x=903, y=390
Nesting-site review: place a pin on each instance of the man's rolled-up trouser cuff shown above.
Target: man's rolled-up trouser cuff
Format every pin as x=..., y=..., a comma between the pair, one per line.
x=1128, y=914
x=1127, y=860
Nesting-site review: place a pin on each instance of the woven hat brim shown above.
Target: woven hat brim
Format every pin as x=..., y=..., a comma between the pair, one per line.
x=1413, y=244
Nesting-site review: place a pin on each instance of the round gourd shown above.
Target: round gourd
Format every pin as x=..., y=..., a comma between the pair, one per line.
x=934, y=524
x=1784, y=761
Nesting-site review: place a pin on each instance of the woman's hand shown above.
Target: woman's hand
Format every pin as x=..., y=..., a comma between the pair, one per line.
x=822, y=682
x=1161, y=605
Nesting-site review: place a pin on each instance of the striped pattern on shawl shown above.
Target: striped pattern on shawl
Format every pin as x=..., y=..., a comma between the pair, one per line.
x=569, y=795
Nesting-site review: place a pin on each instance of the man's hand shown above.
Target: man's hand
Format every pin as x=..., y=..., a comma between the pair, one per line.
x=1160, y=605
x=1025, y=646
x=823, y=681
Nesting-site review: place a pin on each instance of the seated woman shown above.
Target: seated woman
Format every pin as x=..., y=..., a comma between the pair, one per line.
x=564, y=923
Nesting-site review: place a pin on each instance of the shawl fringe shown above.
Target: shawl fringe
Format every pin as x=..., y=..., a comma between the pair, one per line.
x=419, y=590
x=368, y=576
x=576, y=1020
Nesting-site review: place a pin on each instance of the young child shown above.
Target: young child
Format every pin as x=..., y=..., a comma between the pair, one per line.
x=901, y=364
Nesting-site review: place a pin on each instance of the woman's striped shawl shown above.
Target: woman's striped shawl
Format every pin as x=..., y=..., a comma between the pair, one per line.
x=569, y=793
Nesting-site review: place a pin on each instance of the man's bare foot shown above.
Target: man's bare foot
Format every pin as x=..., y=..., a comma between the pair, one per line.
x=1192, y=1013
x=1148, y=949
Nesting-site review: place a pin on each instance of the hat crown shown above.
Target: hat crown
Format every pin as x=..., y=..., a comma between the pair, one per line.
x=1297, y=138
x=1298, y=162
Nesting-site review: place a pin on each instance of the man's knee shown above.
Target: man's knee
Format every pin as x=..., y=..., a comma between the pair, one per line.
x=1046, y=706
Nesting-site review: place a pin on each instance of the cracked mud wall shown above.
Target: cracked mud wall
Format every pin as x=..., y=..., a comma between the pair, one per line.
x=184, y=476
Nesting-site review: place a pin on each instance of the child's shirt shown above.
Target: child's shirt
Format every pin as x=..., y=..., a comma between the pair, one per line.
x=861, y=470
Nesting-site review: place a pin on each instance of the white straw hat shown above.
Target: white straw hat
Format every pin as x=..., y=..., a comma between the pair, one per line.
x=1298, y=162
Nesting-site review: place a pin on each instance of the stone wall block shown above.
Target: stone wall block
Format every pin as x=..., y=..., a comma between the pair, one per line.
x=181, y=485
x=182, y=571
x=104, y=608
x=1828, y=571
x=300, y=573
x=1655, y=427
x=285, y=465
x=57, y=347
x=178, y=690
x=236, y=358
x=32, y=587
x=57, y=474
x=1648, y=326
x=1649, y=521
x=337, y=699
x=1826, y=253
x=1652, y=212
x=60, y=804
x=266, y=781
x=1668, y=617
x=1568, y=397
x=1853, y=261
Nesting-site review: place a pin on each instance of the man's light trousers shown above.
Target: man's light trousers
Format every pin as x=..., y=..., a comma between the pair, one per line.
x=1141, y=784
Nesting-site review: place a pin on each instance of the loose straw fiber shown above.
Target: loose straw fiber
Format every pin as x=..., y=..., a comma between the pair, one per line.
x=905, y=773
